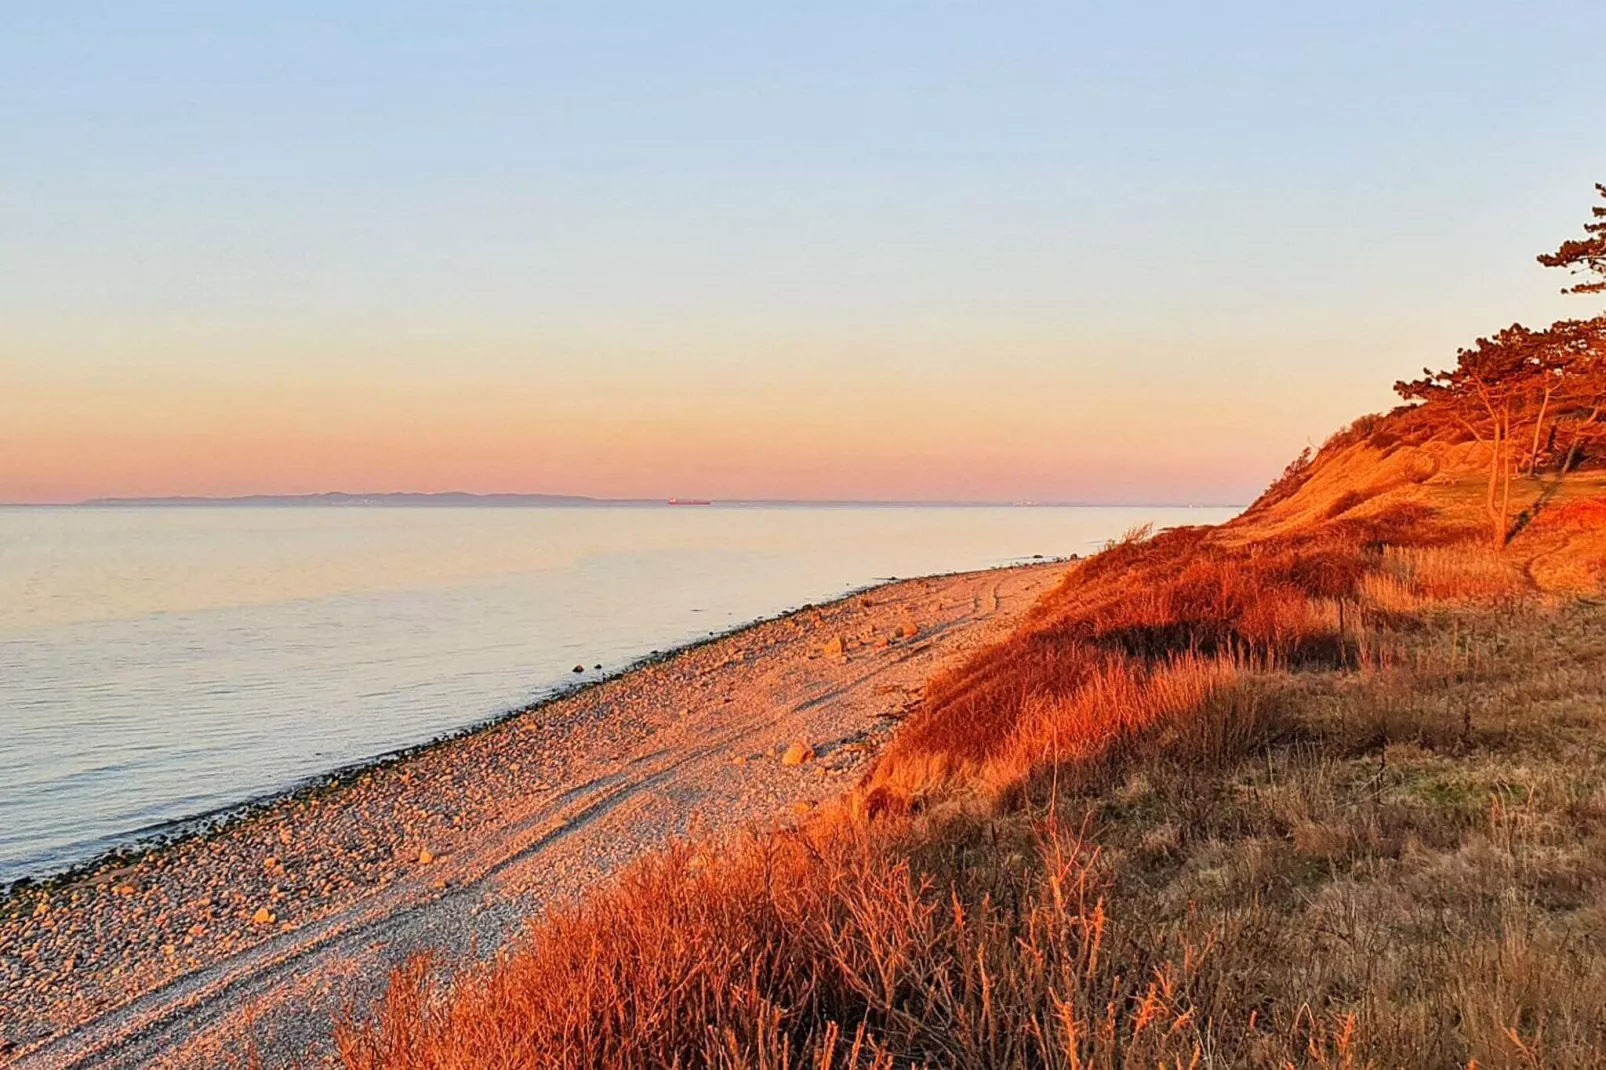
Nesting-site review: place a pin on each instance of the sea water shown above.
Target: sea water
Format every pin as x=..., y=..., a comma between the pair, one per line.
x=162, y=663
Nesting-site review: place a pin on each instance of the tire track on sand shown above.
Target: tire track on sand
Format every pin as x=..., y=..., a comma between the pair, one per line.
x=680, y=736
x=177, y=1012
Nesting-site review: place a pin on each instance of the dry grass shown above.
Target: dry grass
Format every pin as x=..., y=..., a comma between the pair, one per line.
x=1412, y=579
x=1146, y=606
x=952, y=942
x=1425, y=853
x=1404, y=866
x=1582, y=513
x=1332, y=799
x=1121, y=704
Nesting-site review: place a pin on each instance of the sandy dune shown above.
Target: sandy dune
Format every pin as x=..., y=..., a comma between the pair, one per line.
x=265, y=929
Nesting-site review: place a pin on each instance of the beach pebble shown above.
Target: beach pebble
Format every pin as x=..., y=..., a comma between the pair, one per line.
x=579, y=668
x=127, y=928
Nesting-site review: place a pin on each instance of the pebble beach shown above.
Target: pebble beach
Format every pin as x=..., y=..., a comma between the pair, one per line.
x=247, y=940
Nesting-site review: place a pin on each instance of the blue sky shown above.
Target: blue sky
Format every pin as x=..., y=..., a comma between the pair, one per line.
x=1072, y=251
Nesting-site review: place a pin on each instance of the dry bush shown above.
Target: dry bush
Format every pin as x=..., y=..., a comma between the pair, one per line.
x=842, y=954
x=830, y=953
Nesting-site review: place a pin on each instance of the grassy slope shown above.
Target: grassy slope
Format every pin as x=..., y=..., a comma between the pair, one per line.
x=1323, y=787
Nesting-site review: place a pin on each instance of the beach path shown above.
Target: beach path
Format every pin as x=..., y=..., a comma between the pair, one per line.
x=253, y=938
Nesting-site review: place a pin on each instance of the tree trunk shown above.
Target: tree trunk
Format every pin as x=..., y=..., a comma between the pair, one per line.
x=1505, y=496
x=1491, y=500
x=1572, y=451
x=1539, y=426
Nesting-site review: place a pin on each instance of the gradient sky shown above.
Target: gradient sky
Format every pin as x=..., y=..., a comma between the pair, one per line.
x=1127, y=252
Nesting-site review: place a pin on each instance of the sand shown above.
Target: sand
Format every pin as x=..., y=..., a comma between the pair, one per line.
x=254, y=937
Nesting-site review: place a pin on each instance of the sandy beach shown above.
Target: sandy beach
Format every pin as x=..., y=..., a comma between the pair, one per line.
x=252, y=938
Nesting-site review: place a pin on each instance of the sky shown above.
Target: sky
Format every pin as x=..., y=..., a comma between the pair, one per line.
x=1095, y=252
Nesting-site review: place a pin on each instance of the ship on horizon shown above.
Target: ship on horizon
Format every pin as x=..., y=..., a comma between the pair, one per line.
x=689, y=501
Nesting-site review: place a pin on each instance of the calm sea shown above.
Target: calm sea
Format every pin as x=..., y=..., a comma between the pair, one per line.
x=158, y=664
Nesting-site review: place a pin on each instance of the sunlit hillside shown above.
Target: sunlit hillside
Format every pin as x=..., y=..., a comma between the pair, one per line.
x=1323, y=786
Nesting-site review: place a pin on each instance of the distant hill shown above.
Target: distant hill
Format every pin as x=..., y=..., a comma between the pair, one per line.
x=565, y=501
x=340, y=498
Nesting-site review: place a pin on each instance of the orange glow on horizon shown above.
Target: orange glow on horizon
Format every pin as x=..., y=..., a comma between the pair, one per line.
x=914, y=444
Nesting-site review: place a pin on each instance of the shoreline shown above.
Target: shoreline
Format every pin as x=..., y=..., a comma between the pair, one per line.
x=151, y=954
x=141, y=844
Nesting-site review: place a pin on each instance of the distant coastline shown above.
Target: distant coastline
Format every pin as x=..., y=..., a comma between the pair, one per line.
x=465, y=499
x=337, y=498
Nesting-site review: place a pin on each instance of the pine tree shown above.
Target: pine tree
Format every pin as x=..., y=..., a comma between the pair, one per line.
x=1585, y=256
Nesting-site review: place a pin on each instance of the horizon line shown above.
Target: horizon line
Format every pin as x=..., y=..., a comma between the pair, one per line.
x=339, y=499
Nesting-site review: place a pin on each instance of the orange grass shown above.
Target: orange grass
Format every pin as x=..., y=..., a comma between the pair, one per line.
x=1145, y=608
x=827, y=951
x=955, y=912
